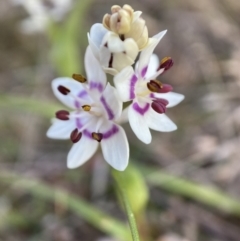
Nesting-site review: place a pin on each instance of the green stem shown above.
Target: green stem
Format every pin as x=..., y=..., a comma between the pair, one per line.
x=89, y=213
x=131, y=219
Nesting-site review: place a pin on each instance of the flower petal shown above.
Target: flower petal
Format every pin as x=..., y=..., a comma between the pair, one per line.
x=93, y=47
x=147, y=52
x=154, y=76
x=117, y=54
x=105, y=56
x=136, y=15
x=138, y=123
x=97, y=33
x=172, y=98
x=159, y=122
x=95, y=74
x=152, y=66
x=115, y=146
x=120, y=61
x=139, y=33
x=75, y=88
x=81, y=152
x=95, y=38
x=124, y=116
x=111, y=103
x=125, y=83
x=61, y=129
x=113, y=42
x=110, y=71
x=130, y=48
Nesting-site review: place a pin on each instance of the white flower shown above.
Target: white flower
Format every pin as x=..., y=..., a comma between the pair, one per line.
x=95, y=109
x=113, y=53
x=41, y=12
x=149, y=96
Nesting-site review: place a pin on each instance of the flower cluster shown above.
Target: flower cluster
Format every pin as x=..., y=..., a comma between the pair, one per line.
x=97, y=110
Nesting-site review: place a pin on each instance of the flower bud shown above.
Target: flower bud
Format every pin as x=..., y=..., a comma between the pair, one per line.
x=127, y=24
x=120, y=20
x=139, y=33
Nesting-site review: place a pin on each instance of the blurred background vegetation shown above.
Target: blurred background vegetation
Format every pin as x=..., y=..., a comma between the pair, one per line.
x=192, y=174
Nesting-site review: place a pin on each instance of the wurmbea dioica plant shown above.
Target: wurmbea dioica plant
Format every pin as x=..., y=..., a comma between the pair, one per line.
x=97, y=106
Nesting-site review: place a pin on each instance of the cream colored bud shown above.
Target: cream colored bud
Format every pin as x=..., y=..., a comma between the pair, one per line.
x=129, y=9
x=120, y=20
x=139, y=33
x=128, y=24
x=115, y=8
x=106, y=21
x=125, y=22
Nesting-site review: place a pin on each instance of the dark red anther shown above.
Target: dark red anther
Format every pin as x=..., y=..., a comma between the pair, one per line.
x=154, y=85
x=165, y=88
x=63, y=90
x=163, y=101
x=75, y=136
x=97, y=136
x=157, y=87
x=159, y=105
x=166, y=63
x=62, y=115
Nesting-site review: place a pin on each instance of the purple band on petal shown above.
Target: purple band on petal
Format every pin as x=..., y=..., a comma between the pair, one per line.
x=81, y=94
x=144, y=71
x=79, y=123
x=111, y=132
x=77, y=104
x=96, y=85
x=141, y=110
x=87, y=133
x=106, y=135
x=133, y=81
x=107, y=108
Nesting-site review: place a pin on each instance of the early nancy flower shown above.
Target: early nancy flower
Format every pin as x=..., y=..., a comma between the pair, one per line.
x=149, y=96
x=127, y=24
x=112, y=53
x=95, y=109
